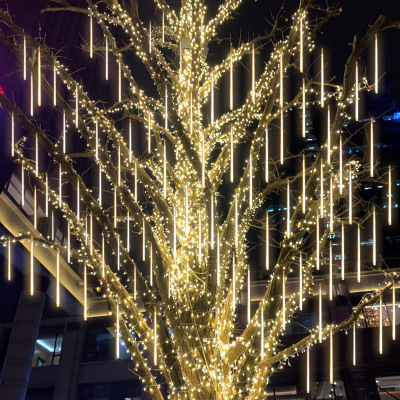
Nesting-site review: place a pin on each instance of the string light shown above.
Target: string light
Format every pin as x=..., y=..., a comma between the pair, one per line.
x=283, y=300
x=22, y=186
x=69, y=243
x=115, y=207
x=303, y=108
x=78, y=200
x=230, y=80
x=354, y=343
x=212, y=97
x=85, y=310
x=212, y=220
x=58, y=279
x=330, y=203
x=163, y=28
x=330, y=272
x=266, y=154
x=91, y=35
x=166, y=108
x=186, y=212
x=200, y=242
x=267, y=240
x=100, y=187
x=301, y=44
x=340, y=165
x=308, y=368
x=304, y=184
x=60, y=186
x=371, y=144
x=321, y=179
x=328, y=155
x=376, y=63
x=248, y=295
x=76, y=106
x=320, y=313
x=37, y=156
x=356, y=89
x=342, y=250
x=148, y=133
x=281, y=106
x=174, y=238
x=288, y=208
x=394, y=310
x=233, y=283
x=9, y=259
x=251, y=180
x=218, y=262
x=54, y=84
x=34, y=207
x=46, y=199
x=390, y=196
x=322, y=78
x=24, y=58
x=317, y=241
x=134, y=283
x=350, y=196
x=106, y=57
x=236, y=222
x=253, y=75
x=358, y=253
x=119, y=164
x=155, y=336
x=231, y=153
x=301, y=282
x=373, y=236
x=144, y=241
x=150, y=44
x=31, y=94
x=331, y=356
x=12, y=135
x=380, y=325
x=64, y=133
x=119, y=80
x=32, y=270
x=262, y=331
x=117, y=316
x=39, y=79
x=135, y=183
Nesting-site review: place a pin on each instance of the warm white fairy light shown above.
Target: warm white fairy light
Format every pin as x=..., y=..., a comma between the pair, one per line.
x=150, y=43
x=248, y=295
x=135, y=183
x=331, y=203
x=253, y=74
x=230, y=81
x=59, y=186
x=85, y=310
x=191, y=113
x=103, y=263
x=281, y=108
x=34, y=207
x=106, y=57
x=119, y=80
x=46, y=196
x=134, y=283
x=155, y=335
x=31, y=94
x=262, y=331
x=54, y=84
x=371, y=149
x=22, y=186
x=303, y=110
x=91, y=35
x=301, y=282
x=303, y=184
x=283, y=300
x=117, y=316
x=53, y=226
x=350, y=196
x=68, y=242
x=148, y=133
x=37, y=155
x=118, y=253
x=308, y=369
x=212, y=97
x=174, y=235
x=301, y=45
x=115, y=207
x=24, y=58
x=231, y=154
x=354, y=343
x=321, y=186
x=119, y=164
x=91, y=234
x=330, y=272
x=186, y=212
x=267, y=240
x=9, y=259
x=78, y=199
x=358, y=253
x=144, y=241
x=342, y=252
x=236, y=222
x=218, y=262
x=288, y=208
x=394, y=310
x=328, y=141
x=380, y=325
x=64, y=132
x=330, y=356
x=58, y=279
x=317, y=241
x=12, y=135
x=199, y=234
x=373, y=236
x=203, y=167
x=233, y=282
x=376, y=63
x=251, y=180
x=76, y=105
x=32, y=286
x=320, y=313
x=356, y=94
x=39, y=79
x=166, y=108
x=212, y=205
x=266, y=154
x=100, y=187
x=390, y=196
x=340, y=165
x=322, y=78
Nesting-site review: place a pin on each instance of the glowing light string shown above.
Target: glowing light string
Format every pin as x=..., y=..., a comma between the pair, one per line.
x=322, y=78
x=376, y=64
x=117, y=331
x=390, y=196
x=373, y=236
x=39, y=81
x=380, y=325
x=358, y=253
x=303, y=109
x=342, y=252
x=58, y=279
x=266, y=154
x=32, y=270
x=267, y=240
x=356, y=94
x=371, y=148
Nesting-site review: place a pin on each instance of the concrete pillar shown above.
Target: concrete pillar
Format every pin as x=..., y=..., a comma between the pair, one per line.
x=360, y=384
x=17, y=365
x=66, y=386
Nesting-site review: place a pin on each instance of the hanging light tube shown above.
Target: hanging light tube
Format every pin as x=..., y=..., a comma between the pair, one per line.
x=233, y=283
x=200, y=241
x=317, y=241
x=46, y=195
x=22, y=186
x=117, y=331
x=76, y=105
x=251, y=180
x=380, y=325
x=148, y=133
x=371, y=148
x=248, y=295
x=12, y=135
x=342, y=250
x=150, y=44
x=230, y=80
x=58, y=279
x=231, y=153
x=330, y=271
x=390, y=196
x=155, y=335
x=115, y=206
x=85, y=311
x=218, y=262
x=328, y=150
x=301, y=44
x=321, y=181
x=106, y=57
x=266, y=154
x=166, y=108
x=394, y=310
x=373, y=236
x=308, y=369
x=78, y=200
x=103, y=267
x=330, y=203
x=283, y=300
x=356, y=94
x=267, y=240
x=144, y=241
x=212, y=97
x=358, y=253
x=60, y=186
x=212, y=220
x=100, y=187
x=32, y=271
x=253, y=78
x=34, y=207
x=303, y=184
x=288, y=208
x=320, y=314
x=322, y=78
x=24, y=58
x=303, y=109
x=91, y=35
x=340, y=165
x=354, y=343
x=301, y=282
x=39, y=79
x=331, y=356
x=37, y=156
x=376, y=64
x=31, y=94
x=68, y=242
x=54, y=84
x=9, y=259
x=350, y=196
x=64, y=133
x=119, y=80
x=236, y=222
x=262, y=331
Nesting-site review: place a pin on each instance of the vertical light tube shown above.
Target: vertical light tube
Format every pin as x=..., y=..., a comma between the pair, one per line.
x=350, y=196
x=218, y=262
x=136, y=182
x=267, y=241
x=393, y=310
x=253, y=74
x=118, y=252
x=266, y=154
x=148, y=133
x=64, y=133
x=308, y=369
x=39, y=79
x=76, y=105
x=262, y=331
x=356, y=93
x=96, y=148
x=236, y=222
x=78, y=200
x=303, y=184
x=85, y=311
x=163, y=28
x=371, y=148
x=331, y=356
x=166, y=107
x=9, y=259
x=231, y=153
x=340, y=165
x=24, y=58
x=301, y=282
x=376, y=63
x=58, y=279
x=330, y=203
x=46, y=195
x=328, y=150
x=283, y=300
x=288, y=208
x=150, y=44
x=380, y=325
x=358, y=253
x=106, y=57
x=317, y=242
x=54, y=84
x=34, y=207
x=212, y=97
x=102, y=255
x=342, y=250
x=100, y=187
x=186, y=212
x=115, y=206
x=303, y=109
x=60, y=186
x=230, y=80
x=32, y=286
x=251, y=180
x=68, y=242
x=117, y=332
x=321, y=181
x=130, y=140
x=320, y=314
x=233, y=283
x=91, y=35
x=128, y=232
x=354, y=343
x=248, y=295
x=174, y=238
x=330, y=271
x=31, y=94
x=200, y=241
x=37, y=156
x=12, y=135
x=212, y=220
x=191, y=113
x=301, y=44
x=119, y=164
x=373, y=236
x=144, y=241
x=119, y=80
x=202, y=160
x=155, y=335
x=281, y=105
x=134, y=283
x=52, y=226
x=390, y=196
x=22, y=186
x=322, y=78
x=91, y=234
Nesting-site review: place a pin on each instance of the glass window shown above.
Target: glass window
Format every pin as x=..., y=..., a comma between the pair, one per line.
x=48, y=346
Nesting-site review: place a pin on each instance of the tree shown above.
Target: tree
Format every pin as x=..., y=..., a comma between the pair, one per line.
x=196, y=243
